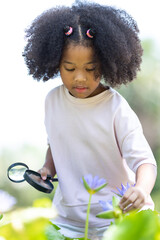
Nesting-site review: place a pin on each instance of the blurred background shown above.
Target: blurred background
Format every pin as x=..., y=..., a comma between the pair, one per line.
x=22, y=130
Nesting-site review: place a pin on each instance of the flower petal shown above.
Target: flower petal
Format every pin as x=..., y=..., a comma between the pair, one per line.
x=93, y=184
x=88, y=178
x=123, y=189
x=6, y=201
x=106, y=205
x=119, y=192
x=101, y=181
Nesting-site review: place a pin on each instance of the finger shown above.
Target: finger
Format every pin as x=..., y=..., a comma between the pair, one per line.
x=127, y=201
x=126, y=195
x=138, y=204
x=43, y=174
x=128, y=208
x=125, y=204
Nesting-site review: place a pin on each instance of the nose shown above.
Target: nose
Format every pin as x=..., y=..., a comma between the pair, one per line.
x=80, y=77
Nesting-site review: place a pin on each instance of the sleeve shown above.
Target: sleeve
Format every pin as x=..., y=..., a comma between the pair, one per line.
x=130, y=138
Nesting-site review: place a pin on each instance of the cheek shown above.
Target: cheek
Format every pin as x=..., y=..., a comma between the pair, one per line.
x=63, y=75
x=97, y=76
x=65, y=79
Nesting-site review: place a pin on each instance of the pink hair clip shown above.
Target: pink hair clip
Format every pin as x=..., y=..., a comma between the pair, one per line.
x=90, y=33
x=68, y=30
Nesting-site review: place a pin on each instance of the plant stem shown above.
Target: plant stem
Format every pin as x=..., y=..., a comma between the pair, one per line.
x=87, y=218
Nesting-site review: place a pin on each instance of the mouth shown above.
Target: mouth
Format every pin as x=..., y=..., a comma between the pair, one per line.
x=80, y=89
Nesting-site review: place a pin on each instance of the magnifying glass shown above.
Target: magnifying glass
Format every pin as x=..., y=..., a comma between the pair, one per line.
x=19, y=172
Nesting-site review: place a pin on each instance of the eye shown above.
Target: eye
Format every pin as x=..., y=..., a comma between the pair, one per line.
x=70, y=69
x=90, y=69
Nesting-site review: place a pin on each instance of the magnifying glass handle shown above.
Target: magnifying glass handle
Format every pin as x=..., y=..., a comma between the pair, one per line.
x=49, y=177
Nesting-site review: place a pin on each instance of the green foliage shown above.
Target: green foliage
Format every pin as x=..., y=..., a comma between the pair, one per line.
x=28, y=223
x=144, y=225
x=52, y=233
x=28, y=231
x=40, y=229
x=31, y=223
x=42, y=202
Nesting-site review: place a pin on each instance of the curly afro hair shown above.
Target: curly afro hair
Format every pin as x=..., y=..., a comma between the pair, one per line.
x=116, y=42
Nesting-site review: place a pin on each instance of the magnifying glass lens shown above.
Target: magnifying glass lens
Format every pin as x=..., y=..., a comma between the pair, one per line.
x=16, y=172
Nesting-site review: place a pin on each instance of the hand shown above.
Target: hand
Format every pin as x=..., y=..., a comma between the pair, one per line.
x=44, y=172
x=134, y=198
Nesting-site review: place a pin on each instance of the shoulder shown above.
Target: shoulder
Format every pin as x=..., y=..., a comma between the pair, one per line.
x=118, y=101
x=53, y=93
x=122, y=109
x=54, y=97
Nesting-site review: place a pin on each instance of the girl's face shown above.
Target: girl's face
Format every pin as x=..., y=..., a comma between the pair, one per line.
x=80, y=72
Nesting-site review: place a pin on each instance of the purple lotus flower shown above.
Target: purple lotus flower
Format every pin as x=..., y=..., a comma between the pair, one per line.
x=6, y=201
x=106, y=206
x=93, y=184
x=111, y=209
x=122, y=191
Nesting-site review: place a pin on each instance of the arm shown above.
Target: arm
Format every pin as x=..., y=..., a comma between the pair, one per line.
x=48, y=167
x=137, y=196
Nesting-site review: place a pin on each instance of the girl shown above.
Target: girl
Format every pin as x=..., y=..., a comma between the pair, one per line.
x=91, y=128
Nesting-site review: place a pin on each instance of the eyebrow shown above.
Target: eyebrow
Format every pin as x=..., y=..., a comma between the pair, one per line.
x=74, y=63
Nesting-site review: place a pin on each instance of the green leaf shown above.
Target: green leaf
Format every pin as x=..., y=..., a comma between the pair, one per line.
x=115, y=201
x=1, y=216
x=106, y=215
x=87, y=187
x=99, y=188
x=55, y=226
x=144, y=225
x=53, y=233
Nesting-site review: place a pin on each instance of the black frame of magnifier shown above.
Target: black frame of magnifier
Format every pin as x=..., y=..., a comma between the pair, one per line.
x=31, y=181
